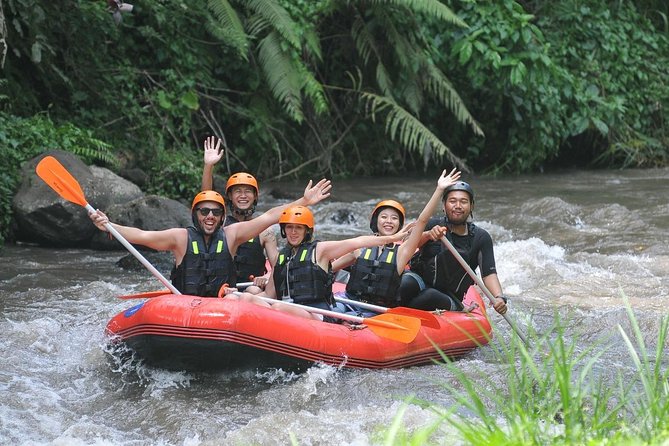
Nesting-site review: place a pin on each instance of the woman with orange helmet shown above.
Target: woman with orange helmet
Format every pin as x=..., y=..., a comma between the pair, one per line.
x=241, y=196
x=203, y=253
x=303, y=271
x=376, y=272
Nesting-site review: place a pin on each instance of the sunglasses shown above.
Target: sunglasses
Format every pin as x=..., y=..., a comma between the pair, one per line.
x=205, y=211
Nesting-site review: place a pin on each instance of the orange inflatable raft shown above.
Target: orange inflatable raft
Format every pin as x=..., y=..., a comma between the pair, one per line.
x=196, y=333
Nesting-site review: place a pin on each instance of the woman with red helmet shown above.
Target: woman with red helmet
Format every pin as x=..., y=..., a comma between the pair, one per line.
x=376, y=272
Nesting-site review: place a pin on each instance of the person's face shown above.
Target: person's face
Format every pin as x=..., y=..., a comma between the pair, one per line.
x=388, y=221
x=458, y=207
x=209, y=222
x=295, y=233
x=242, y=196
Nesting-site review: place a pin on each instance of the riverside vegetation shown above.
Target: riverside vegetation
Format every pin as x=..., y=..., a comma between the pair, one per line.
x=555, y=395
x=334, y=87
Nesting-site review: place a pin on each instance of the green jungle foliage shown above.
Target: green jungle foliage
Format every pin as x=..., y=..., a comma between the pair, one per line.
x=336, y=87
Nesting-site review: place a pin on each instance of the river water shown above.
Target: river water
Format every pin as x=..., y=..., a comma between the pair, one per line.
x=571, y=243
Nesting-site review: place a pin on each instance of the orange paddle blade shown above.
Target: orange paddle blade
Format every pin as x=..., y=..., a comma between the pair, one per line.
x=60, y=180
x=427, y=319
x=146, y=295
x=394, y=326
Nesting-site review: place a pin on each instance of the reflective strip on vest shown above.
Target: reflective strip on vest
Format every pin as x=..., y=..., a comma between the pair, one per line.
x=196, y=250
x=304, y=255
x=219, y=247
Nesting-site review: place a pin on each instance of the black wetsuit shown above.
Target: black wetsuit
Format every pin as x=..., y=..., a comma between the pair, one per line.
x=444, y=280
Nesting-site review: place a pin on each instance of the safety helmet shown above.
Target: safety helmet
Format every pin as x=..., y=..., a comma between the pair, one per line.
x=208, y=195
x=299, y=215
x=459, y=185
x=373, y=221
x=240, y=178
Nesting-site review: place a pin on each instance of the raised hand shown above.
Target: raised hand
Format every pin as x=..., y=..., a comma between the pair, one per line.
x=404, y=232
x=317, y=193
x=448, y=180
x=212, y=150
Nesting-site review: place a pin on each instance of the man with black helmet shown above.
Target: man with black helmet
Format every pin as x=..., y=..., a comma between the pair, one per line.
x=241, y=196
x=437, y=280
x=203, y=253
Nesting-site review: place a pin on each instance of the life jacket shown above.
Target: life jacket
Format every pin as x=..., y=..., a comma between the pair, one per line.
x=250, y=257
x=374, y=276
x=439, y=269
x=297, y=276
x=204, y=268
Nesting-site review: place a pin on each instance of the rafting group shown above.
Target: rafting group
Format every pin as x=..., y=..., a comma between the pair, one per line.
x=397, y=265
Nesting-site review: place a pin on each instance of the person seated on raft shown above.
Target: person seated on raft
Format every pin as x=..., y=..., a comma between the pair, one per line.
x=375, y=274
x=436, y=278
x=241, y=196
x=203, y=253
x=303, y=270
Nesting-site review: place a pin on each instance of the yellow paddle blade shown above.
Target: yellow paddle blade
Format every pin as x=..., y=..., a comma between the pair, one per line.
x=60, y=180
x=394, y=326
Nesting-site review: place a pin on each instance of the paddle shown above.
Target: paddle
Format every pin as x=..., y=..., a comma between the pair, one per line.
x=60, y=180
x=427, y=319
x=391, y=326
x=481, y=285
x=150, y=294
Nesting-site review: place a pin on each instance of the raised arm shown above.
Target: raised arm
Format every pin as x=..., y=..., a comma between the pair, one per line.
x=345, y=260
x=240, y=232
x=326, y=252
x=407, y=249
x=212, y=155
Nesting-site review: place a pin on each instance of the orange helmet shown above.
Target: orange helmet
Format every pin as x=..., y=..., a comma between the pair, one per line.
x=299, y=215
x=208, y=195
x=373, y=221
x=241, y=178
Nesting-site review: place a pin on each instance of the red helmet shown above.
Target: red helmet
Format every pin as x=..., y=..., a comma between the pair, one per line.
x=239, y=179
x=298, y=215
x=373, y=221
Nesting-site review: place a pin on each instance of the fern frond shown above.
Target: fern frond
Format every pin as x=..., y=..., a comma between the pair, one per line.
x=363, y=40
x=283, y=79
x=228, y=27
x=407, y=130
x=383, y=80
x=404, y=50
x=440, y=87
x=413, y=95
x=313, y=44
x=278, y=17
x=431, y=8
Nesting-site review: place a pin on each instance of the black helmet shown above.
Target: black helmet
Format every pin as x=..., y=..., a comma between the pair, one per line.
x=460, y=185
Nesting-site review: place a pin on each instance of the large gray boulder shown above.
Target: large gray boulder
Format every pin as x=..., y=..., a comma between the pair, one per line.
x=149, y=212
x=42, y=216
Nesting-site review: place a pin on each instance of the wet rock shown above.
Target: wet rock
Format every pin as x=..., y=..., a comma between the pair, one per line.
x=42, y=216
x=150, y=212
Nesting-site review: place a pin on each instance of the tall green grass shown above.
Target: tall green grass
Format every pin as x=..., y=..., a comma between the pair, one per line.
x=551, y=395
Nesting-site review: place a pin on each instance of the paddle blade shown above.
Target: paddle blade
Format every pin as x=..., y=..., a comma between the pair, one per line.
x=394, y=326
x=60, y=180
x=146, y=295
x=427, y=319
